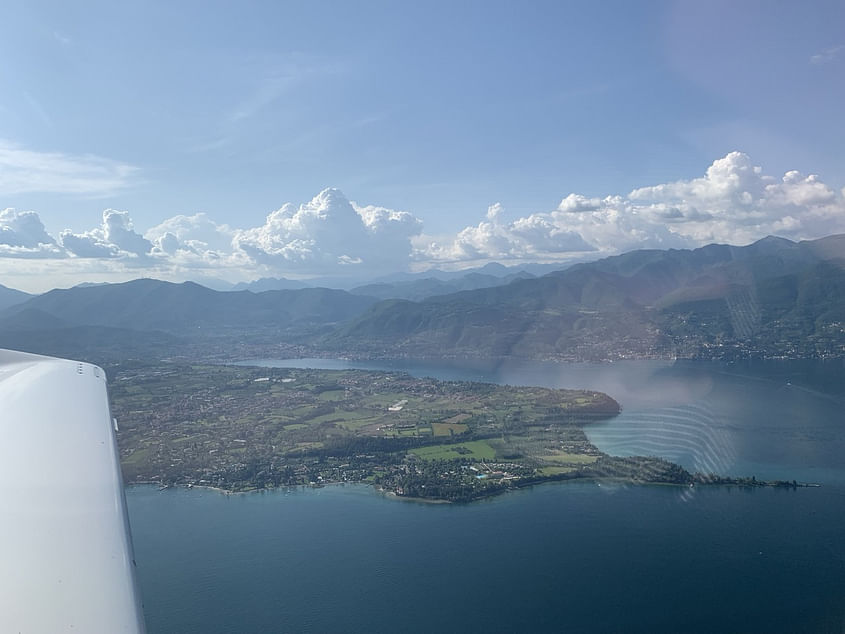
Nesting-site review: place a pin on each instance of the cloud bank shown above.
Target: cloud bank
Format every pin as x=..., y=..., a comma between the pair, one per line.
x=734, y=202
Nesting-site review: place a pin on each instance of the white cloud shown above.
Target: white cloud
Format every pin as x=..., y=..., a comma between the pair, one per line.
x=168, y=243
x=734, y=202
x=494, y=212
x=22, y=229
x=533, y=237
x=25, y=171
x=196, y=232
x=195, y=242
x=328, y=232
x=87, y=245
x=118, y=230
x=116, y=237
x=577, y=202
x=320, y=236
x=22, y=235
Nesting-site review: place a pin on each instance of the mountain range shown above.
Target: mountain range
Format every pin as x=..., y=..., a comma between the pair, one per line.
x=187, y=308
x=413, y=286
x=772, y=298
x=420, y=289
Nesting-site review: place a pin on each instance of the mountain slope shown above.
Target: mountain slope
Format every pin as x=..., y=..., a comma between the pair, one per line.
x=749, y=299
x=11, y=297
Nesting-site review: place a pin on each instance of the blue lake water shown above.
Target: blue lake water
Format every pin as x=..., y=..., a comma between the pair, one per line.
x=570, y=557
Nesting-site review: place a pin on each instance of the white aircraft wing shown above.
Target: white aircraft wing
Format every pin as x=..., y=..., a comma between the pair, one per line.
x=66, y=561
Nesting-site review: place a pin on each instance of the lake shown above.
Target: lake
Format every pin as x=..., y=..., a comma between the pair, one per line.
x=573, y=557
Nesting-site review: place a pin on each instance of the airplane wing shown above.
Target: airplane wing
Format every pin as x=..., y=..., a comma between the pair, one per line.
x=66, y=561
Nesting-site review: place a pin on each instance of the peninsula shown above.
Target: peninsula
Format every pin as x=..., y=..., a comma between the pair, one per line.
x=241, y=428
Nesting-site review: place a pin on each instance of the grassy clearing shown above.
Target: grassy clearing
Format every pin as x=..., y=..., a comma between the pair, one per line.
x=331, y=417
x=354, y=424
x=551, y=471
x=332, y=395
x=302, y=446
x=139, y=456
x=563, y=457
x=474, y=450
x=448, y=429
x=383, y=401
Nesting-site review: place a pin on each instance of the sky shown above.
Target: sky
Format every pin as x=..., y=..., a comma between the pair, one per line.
x=238, y=140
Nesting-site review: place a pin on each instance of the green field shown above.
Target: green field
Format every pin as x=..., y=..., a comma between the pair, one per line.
x=553, y=471
x=448, y=429
x=564, y=457
x=332, y=395
x=475, y=450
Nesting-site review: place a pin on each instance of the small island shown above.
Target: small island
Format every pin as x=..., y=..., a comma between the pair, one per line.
x=241, y=429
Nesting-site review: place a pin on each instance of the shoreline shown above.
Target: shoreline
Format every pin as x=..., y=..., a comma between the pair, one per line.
x=726, y=482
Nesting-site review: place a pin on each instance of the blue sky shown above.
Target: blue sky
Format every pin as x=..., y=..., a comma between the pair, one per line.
x=458, y=130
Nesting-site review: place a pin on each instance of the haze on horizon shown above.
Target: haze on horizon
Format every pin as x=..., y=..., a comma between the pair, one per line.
x=205, y=140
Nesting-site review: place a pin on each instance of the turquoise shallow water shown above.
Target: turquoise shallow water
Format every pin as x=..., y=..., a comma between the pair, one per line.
x=574, y=557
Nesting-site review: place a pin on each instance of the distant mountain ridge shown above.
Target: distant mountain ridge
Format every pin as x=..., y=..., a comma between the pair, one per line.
x=150, y=305
x=492, y=269
x=771, y=298
x=270, y=284
x=643, y=303
x=413, y=286
x=420, y=289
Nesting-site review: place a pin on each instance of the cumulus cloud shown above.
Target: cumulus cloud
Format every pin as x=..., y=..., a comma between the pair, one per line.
x=316, y=237
x=329, y=231
x=531, y=237
x=197, y=233
x=116, y=237
x=577, y=202
x=195, y=242
x=22, y=235
x=118, y=230
x=25, y=171
x=87, y=245
x=23, y=229
x=734, y=202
